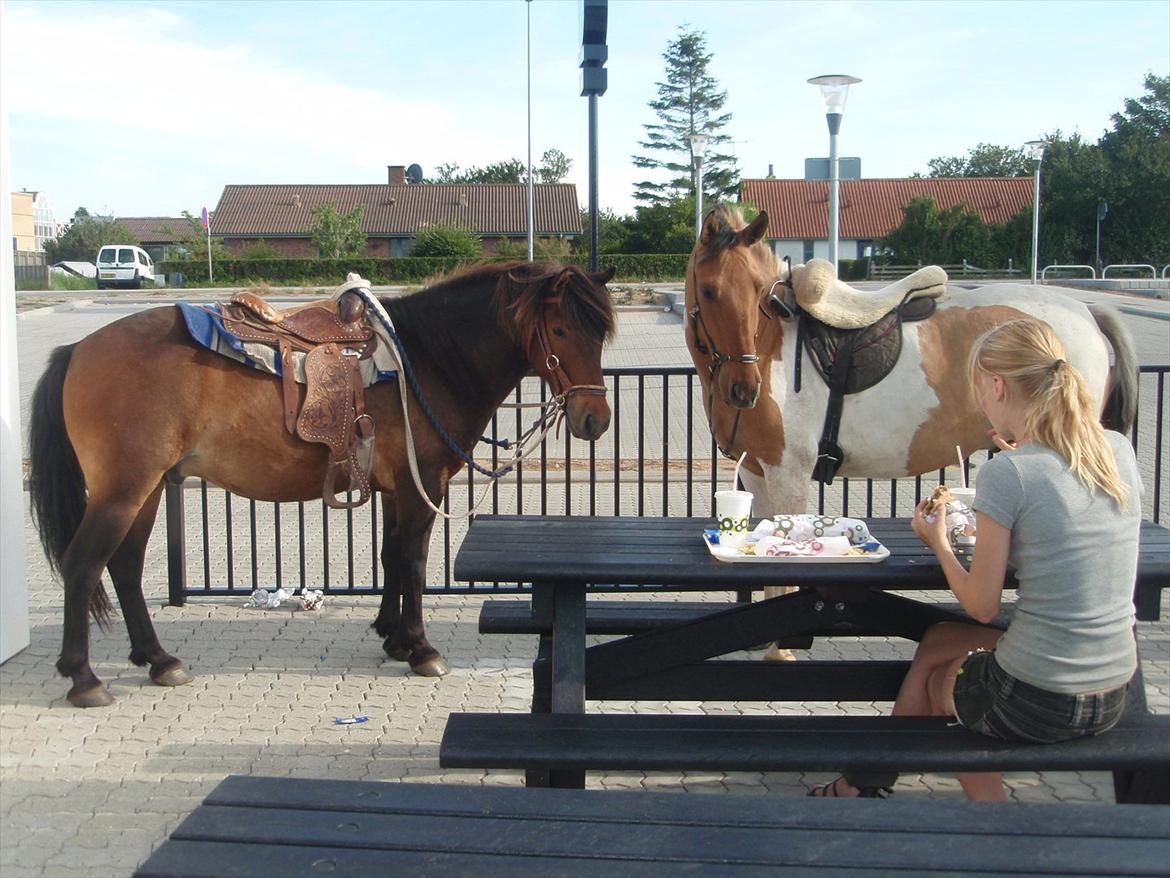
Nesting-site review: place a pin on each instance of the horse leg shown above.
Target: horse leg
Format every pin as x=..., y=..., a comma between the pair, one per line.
x=764, y=506
x=410, y=636
x=389, y=619
x=101, y=531
x=126, y=571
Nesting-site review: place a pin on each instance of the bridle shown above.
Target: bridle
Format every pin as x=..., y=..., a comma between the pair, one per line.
x=562, y=385
x=780, y=304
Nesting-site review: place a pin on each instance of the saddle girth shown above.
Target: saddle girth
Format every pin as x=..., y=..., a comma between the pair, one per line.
x=333, y=410
x=850, y=361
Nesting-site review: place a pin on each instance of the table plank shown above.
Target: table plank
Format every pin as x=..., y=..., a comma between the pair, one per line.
x=266, y=826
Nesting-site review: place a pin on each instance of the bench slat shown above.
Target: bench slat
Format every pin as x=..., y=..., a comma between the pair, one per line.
x=758, y=743
x=273, y=827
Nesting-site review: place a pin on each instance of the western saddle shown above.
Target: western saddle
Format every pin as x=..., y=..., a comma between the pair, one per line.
x=332, y=335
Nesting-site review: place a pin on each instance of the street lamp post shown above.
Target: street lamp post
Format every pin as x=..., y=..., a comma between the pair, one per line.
x=698, y=148
x=530, y=201
x=834, y=90
x=1036, y=151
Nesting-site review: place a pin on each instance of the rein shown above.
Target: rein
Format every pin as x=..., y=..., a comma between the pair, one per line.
x=552, y=412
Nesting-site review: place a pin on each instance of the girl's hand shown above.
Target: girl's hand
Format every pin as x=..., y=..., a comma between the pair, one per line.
x=933, y=533
x=1000, y=442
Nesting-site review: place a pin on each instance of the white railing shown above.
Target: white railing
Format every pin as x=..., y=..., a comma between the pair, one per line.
x=1092, y=271
x=1165, y=271
x=1141, y=265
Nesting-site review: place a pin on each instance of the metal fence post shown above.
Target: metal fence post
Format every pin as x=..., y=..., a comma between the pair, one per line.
x=176, y=545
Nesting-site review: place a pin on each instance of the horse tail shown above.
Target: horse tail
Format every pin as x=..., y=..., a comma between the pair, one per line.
x=1121, y=398
x=56, y=482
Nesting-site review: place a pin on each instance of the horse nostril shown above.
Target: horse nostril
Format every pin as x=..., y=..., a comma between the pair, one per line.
x=588, y=425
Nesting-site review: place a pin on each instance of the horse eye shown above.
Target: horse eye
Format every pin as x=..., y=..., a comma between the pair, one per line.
x=709, y=293
x=558, y=332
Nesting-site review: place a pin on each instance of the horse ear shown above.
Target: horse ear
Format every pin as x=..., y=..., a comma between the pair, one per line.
x=755, y=230
x=710, y=229
x=603, y=277
x=561, y=280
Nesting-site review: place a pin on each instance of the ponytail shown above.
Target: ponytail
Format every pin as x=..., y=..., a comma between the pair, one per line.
x=1059, y=411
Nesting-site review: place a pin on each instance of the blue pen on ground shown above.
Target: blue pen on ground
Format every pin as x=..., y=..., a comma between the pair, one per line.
x=349, y=720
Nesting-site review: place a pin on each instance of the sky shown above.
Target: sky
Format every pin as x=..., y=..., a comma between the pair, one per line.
x=151, y=108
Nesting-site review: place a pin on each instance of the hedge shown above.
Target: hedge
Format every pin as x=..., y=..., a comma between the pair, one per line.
x=396, y=270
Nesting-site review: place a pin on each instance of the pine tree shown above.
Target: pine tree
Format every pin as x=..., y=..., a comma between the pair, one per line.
x=689, y=102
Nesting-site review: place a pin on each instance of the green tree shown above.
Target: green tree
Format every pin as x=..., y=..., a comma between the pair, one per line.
x=689, y=102
x=612, y=232
x=932, y=234
x=985, y=160
x=443, y=239
x=554, y=167
x=192, y=240
x=337, y=235
x=1137, y=188
x=668, y=227
x=84, y=236
x=1073, y=179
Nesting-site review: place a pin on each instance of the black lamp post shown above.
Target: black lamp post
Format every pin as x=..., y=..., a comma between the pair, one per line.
x=594, y=79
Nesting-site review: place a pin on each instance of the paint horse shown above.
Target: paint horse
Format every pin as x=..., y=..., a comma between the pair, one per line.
x=138, y=403
x=758, y=362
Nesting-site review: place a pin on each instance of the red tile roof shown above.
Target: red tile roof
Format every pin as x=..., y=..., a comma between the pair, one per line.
x=157, y=229
x=397, y=211
x=872, y=208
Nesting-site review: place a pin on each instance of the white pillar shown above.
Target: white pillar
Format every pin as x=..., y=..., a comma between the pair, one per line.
x=14, y=628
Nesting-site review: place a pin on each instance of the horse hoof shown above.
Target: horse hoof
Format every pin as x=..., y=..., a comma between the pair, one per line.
x=776, y=654
x=92, y=696
x=432, y=667
x=396, y=652
x=175, y=675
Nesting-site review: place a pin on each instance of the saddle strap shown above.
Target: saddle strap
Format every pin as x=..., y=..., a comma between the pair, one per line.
x=829, y=453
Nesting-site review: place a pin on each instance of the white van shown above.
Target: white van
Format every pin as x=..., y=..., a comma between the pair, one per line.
x=124, y=265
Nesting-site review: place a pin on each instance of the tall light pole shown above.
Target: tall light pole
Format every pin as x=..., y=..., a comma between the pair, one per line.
x=698, y=148
x=834, y=90
x=531, y=207
x=1036, y=151
x=1102, y=210
x=594, y=81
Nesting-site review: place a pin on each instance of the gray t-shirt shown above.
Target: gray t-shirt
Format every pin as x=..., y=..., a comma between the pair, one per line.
x=1075, y=557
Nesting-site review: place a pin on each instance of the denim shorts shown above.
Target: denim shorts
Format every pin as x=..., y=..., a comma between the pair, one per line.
x=992, y=702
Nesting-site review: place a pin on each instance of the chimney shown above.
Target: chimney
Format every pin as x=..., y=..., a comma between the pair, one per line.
x=397, y=175
x=771, y=176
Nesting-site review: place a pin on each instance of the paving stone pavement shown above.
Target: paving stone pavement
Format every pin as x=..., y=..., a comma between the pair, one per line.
x=92, y=793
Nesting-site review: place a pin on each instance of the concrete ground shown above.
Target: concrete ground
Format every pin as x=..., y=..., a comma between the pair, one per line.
x=92, y=793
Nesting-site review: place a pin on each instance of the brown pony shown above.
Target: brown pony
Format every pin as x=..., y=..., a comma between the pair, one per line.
x=139, y=402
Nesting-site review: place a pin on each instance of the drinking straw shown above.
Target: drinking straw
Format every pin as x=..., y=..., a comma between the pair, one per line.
x=962, y=471
x=735, y=477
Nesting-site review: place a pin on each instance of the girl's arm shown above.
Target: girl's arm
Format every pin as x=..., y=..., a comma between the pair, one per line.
x=980, y=589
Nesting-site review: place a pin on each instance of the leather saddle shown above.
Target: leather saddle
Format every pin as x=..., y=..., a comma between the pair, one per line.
x=850, y=361
x=831, y=301
x=332, y=335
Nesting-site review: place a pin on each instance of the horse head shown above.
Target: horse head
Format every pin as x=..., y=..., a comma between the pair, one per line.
x=562, y=318
x=728, y=276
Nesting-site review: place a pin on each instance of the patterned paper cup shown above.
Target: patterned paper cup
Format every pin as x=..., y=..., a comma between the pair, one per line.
x=960, y=539
x=732, y=511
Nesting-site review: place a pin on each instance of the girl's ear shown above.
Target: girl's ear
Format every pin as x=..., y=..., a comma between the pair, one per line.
x=1000, y=387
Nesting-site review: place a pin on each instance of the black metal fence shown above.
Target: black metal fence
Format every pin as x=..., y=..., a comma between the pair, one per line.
x=657, y=459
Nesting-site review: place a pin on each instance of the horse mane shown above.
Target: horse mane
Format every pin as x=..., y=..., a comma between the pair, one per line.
x=729, y=221
x=516, y=289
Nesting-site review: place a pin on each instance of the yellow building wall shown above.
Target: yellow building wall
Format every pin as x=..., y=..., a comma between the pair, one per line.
x=23, y=225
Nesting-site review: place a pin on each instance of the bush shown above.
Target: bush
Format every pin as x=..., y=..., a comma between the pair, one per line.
x=441, y=239
x=646, y=266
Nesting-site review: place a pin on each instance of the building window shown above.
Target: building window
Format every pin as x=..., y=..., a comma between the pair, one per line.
x=808, y=250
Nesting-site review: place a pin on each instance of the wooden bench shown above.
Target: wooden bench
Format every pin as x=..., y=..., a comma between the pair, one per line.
x=256, y=826
x=636, y=617
x=565, y=742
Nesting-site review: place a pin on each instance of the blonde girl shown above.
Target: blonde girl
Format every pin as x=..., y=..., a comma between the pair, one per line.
x=1061, y=506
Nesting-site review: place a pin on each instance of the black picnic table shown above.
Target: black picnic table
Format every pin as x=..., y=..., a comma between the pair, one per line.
x=562, y=556
x=250, y=827
x=681, y=655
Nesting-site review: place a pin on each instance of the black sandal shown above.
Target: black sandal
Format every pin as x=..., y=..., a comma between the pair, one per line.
x=829, y=791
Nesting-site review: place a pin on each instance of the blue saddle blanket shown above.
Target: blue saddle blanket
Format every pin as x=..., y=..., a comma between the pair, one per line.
x=205, y=324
